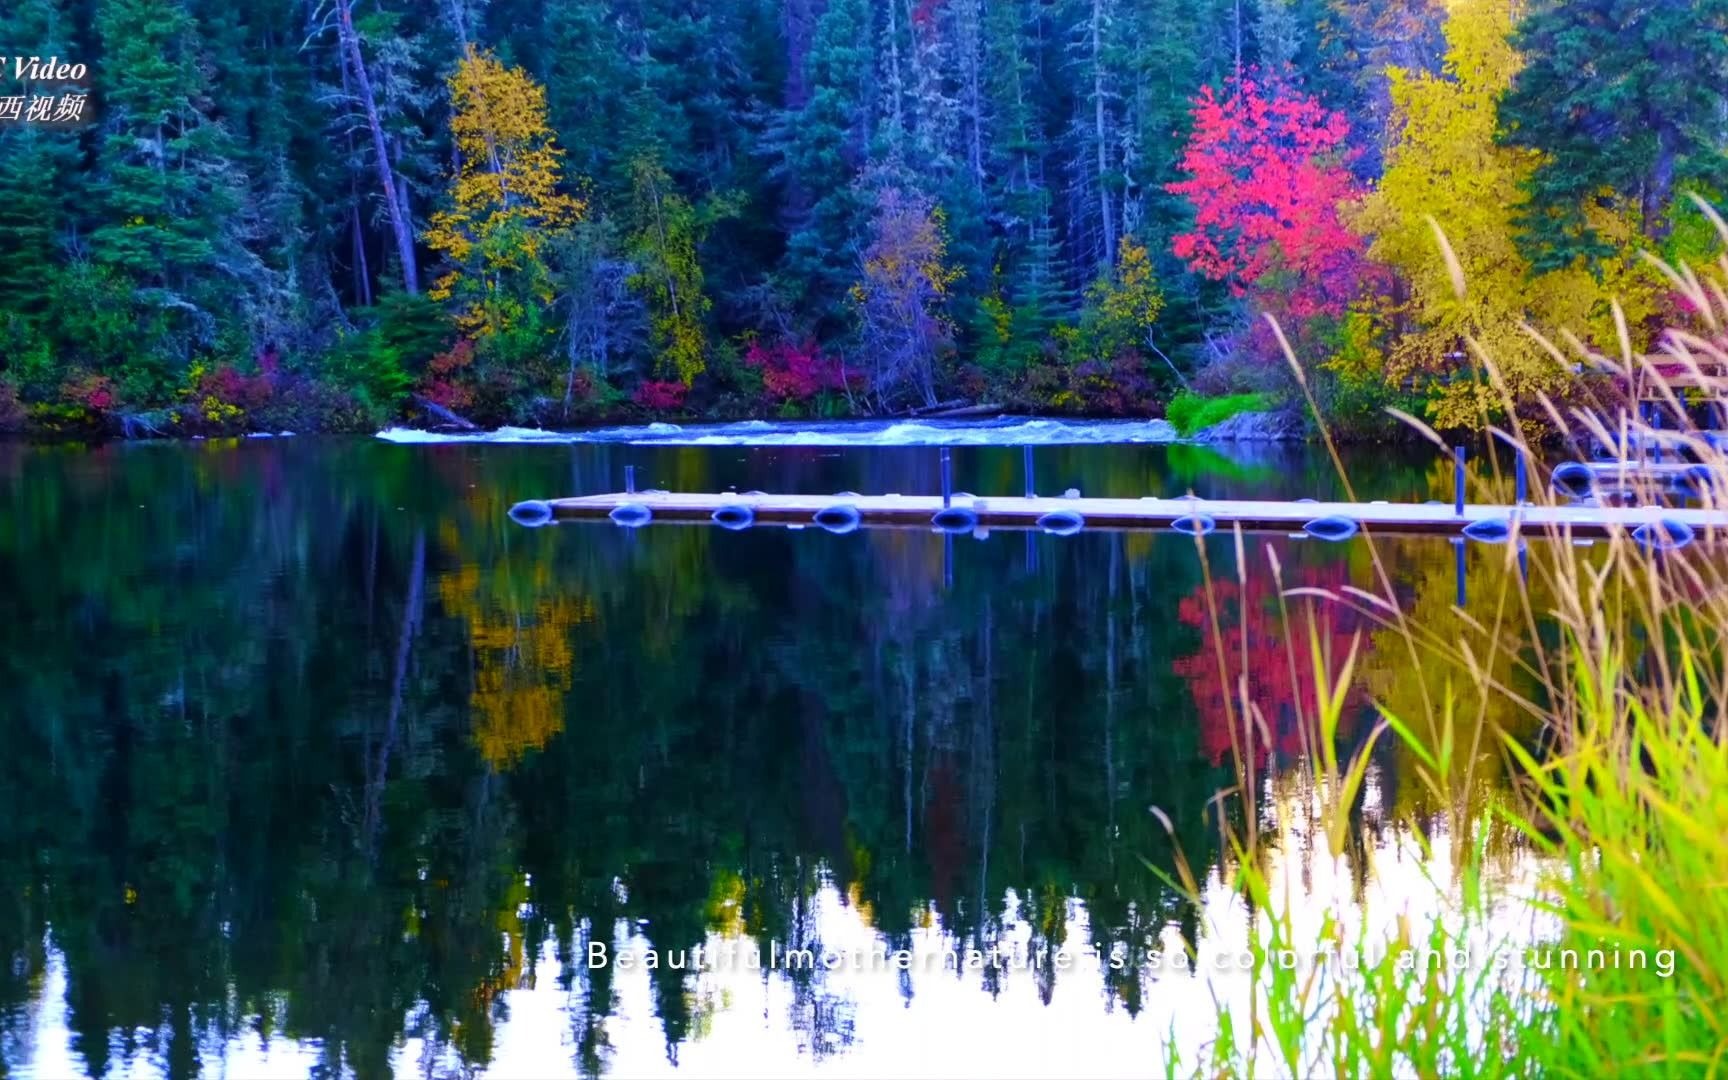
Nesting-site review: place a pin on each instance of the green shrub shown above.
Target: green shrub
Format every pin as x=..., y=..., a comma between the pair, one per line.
x=377, y=365
x=1192, y=413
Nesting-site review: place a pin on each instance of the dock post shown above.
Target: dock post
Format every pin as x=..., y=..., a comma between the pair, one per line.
x=1522, y=469
x=948, y=562
x=629, y=479
x=1459, y=570
x=1026, y=467
x=947, y=479
x=1458, y=453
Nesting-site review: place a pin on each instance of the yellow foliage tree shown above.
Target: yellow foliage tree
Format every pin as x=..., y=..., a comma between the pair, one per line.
x=1456, y=680
x=1447, y=165
x=505, y=199
x=669, y=273
x=1123, y=308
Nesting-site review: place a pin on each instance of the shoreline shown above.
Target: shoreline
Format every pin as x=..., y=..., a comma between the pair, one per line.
x=1264, y=429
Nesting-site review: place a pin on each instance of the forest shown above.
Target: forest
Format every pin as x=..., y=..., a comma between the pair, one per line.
x=337, y=214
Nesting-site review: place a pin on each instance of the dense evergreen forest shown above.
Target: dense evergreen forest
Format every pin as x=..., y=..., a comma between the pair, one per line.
x=332, y=213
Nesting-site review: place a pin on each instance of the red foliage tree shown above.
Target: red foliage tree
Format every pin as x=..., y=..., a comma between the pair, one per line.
x=1266, y=174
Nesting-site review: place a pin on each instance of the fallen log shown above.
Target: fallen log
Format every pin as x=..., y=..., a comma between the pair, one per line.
x=451, y=419
x=940, y=406
x=964, y=410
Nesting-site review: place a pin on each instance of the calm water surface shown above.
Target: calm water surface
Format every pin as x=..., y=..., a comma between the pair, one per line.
x=312, y=762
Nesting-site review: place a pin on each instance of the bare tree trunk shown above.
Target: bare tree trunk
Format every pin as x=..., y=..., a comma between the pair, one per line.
x=399, y=223
x=459, y=23
x=1236, y=38
x=1100, y=136
x=970, y=20
x=1661, y=183
x=896, y=86
x=362, y=273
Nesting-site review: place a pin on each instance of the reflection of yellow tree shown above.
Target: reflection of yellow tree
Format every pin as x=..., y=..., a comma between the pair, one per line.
x=1461, y=682
x=523, y=659
x=724, y=913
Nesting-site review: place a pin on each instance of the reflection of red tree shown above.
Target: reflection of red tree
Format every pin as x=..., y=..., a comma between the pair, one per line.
x=1277, y=657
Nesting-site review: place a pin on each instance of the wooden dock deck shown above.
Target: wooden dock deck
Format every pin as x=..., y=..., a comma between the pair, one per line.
x=1137, y=515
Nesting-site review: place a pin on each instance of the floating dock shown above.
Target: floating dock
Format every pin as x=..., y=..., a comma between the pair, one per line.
x=960, y=513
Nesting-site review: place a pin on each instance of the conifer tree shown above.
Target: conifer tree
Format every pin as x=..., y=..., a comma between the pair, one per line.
x=168, y=188
x=1624, y=100
x=37, y=178
x=824, y=145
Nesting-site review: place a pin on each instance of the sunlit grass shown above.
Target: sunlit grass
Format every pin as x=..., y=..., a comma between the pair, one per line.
x=1611, y=955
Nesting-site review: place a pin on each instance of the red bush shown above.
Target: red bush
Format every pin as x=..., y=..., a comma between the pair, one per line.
x=93, y=392
x=794, y=372
x=444, y=383
x=248, y=392
x=661, y=396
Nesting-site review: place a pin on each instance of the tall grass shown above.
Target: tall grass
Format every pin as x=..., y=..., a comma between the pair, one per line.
x=1608, y=953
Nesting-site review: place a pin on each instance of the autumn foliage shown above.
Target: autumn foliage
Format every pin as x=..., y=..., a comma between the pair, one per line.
x=657, y=395
x=506, y=202
x=794, y=372
x=1258, y=654
x=1446, y=167
x=1267, y=173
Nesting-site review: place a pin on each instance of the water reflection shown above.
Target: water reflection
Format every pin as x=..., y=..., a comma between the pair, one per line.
x=312, y=762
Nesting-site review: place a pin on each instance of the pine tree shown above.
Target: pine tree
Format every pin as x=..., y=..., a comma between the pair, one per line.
x=1033, y=278
x=169, y=189
x=577, y=55
x=266, y=99
x=824, y=146
x=1624, y=100
x=36, y=177
x=1278, y=38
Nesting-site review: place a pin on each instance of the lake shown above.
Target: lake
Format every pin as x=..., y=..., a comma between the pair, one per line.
x=311, y=761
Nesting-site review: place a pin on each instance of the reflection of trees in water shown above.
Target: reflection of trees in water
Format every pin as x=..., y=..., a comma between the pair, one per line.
x=328, y=749
x=1253, y=678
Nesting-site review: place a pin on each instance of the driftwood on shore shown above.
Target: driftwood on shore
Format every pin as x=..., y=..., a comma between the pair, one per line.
x=449, y=419
x=949, y=410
